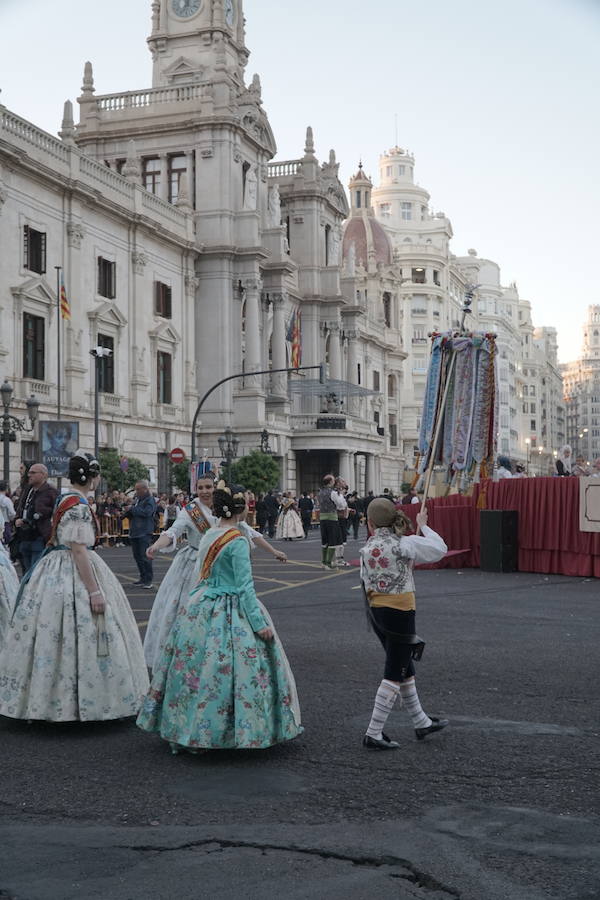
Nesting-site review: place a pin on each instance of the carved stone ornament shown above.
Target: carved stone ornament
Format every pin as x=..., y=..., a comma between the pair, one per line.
x=206, y=152
x=75, y=234
x=252, y=284
x=192, y=283
x=140, y=261
x=3, y=195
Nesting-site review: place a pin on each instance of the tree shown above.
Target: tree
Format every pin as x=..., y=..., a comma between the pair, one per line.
x=180, y=475
x=257, y=472
x=118, y=476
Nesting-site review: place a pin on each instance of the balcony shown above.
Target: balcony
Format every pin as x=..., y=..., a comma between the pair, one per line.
x=419, y=340
x=331, y=423
x=419, y=311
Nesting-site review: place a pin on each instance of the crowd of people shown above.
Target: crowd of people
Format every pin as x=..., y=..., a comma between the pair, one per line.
x=70, y=648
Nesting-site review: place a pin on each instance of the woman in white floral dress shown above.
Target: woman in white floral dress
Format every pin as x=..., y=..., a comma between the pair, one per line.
x=72, y=651
x=9, y=585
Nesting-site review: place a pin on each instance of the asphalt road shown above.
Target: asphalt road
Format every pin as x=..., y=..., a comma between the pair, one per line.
x=503, y=804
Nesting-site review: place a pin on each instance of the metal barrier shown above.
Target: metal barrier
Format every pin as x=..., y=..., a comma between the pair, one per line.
x=114, y=529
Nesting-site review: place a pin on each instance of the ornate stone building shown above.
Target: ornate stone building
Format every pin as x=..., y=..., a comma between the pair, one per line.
x=192, y=256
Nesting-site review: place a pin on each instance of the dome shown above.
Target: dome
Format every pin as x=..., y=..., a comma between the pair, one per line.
x=367, y=234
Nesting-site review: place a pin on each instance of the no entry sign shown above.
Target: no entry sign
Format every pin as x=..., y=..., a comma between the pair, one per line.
x=177, y=455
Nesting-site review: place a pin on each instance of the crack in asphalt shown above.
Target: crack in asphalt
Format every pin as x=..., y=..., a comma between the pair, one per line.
x=413, y=874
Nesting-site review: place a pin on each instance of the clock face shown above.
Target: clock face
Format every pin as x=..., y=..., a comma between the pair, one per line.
x=185, y=8
x=229, y=12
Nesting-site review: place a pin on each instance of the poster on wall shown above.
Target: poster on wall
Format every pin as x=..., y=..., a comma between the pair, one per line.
x=589, y=504
x=60, y=441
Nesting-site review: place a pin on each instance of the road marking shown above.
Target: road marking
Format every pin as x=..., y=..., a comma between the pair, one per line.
x=274, y=580
x=304, y=583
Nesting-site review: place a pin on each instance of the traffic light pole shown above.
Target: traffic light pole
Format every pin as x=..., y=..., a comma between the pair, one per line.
x=320, y=367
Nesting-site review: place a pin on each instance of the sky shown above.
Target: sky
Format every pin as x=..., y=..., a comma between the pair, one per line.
x=497, y=101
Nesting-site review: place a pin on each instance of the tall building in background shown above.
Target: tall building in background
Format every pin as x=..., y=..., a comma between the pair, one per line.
x=582, y=391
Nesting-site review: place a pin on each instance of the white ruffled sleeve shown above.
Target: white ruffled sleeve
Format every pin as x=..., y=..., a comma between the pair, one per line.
x=248, y=532
x=77, y=526
x=429, y=548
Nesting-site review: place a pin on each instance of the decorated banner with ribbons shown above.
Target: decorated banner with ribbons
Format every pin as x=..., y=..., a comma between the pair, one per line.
x=460, y=409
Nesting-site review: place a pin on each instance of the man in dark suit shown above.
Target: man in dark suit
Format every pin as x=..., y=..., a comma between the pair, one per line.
x=306, y=506
x=34, y=516
x=141, y=528
x=272, y=504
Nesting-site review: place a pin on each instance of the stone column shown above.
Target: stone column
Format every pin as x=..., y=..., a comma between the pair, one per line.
x=345, y=466
x=163, y=188
x=370, y=486
x=252, y=287
x=278, y=356
x=191, y=178
x=352, y=374
x=335, y=352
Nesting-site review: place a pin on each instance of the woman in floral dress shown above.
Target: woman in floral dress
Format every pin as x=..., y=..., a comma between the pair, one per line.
x=193, y=521
x=9, y=585
x=223, y=680
x=72, y=651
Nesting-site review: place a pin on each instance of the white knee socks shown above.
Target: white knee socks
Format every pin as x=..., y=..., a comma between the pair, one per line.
x=410, y=698
x=384, y=703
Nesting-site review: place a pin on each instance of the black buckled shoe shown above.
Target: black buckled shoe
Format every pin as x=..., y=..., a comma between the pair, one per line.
x=436, y=725
x=372, y=743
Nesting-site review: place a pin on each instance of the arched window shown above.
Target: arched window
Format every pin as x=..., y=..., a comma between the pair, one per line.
x=387, y=309
x=327, y=239
x=391, y=386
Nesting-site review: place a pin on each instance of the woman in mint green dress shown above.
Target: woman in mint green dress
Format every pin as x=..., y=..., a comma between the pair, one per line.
x=223, y=680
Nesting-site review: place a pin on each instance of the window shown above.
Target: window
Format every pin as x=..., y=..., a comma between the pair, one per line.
x=34, y=250
x=376, y=382
x=406, y=209
x=162, y=300
x=107, y=278
x=418, y=275
x=358, y=373
x=151, y=175
x=33, y=347
x=388, y=171
x=436, y=277
x=106, y=365
x=177, y=168
x=401, y=170
x=532, y=407
x=358, y=200
x=393, y=429
x=532, y=390
x=385, y=210
x=163, y=371
x=526, y=407
x=387, y=309
x=327, y=239
x=525, y=390
x=391, y=386
x=376, y=417
x=532, y=425
x=419, y=364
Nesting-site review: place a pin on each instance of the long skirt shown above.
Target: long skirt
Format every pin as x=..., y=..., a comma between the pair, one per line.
x=289, y=525
x=62, y=663
x=218, y=685
x=174, y=590
x=9, y=585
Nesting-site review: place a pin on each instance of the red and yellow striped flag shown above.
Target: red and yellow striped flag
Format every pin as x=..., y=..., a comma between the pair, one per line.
x=65, y=308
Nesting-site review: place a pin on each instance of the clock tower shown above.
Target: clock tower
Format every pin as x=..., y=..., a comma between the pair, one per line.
x=191, y=40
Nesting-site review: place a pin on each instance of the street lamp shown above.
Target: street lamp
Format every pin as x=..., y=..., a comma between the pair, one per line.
x=528, y=446
x=228, y=445
x=99, y=353
x=10, y=424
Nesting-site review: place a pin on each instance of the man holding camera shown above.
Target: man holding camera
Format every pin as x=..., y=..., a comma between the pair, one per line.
x=34, y=516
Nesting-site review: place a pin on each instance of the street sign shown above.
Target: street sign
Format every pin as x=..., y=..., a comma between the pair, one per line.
x=177, y=455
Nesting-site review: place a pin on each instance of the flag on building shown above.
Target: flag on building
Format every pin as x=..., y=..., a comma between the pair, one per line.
x=65, y=308
x=294, y=339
